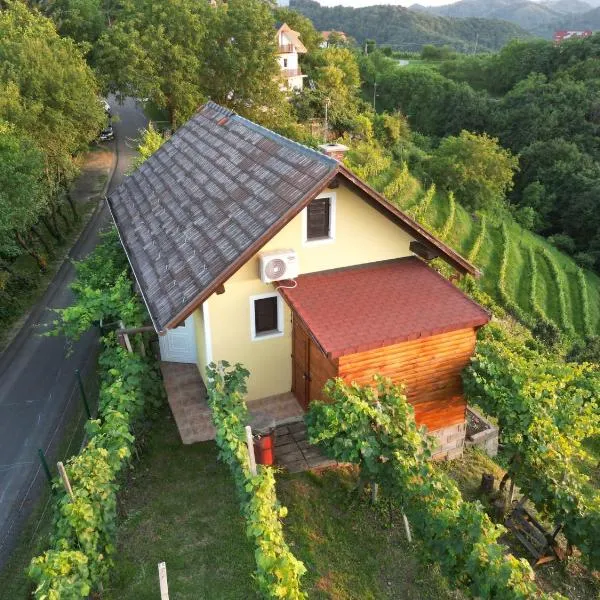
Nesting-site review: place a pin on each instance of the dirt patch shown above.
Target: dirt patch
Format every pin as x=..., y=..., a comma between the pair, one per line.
x=94, y=174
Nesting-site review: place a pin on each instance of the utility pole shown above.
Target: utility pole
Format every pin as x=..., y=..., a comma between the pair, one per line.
x=326, y=120
x=374, y=95
x=476, y=43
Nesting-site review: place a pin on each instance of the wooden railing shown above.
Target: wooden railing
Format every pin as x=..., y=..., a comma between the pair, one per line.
x=291, y=72
x=286, y=48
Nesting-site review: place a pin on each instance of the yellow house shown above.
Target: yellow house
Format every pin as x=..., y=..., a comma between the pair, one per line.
x=251, y=248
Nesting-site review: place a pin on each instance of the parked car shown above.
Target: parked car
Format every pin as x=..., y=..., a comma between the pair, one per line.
x=107, y=134
x=106, y=105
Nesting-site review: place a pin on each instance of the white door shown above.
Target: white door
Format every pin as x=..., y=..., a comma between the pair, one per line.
x=179, y=344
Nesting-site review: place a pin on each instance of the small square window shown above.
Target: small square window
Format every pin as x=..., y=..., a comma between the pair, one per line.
x=318, y=219
x=266, y=316
x=285, y=63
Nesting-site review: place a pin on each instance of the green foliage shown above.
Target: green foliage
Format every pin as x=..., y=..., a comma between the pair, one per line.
x=374, y=427
x=103, y=291
x=476, y=247
x=586, y=350
x=476, y=168
x=446, y=230
x=239, y=68
x=420, y=212
x=62, y=575
x=22, y=193
x=46, y=88
x=277, y=572
x=585, y=303
x=545, y=409
x=150, y=141
x=560, y=289
x=156, y=54
x=82, y=545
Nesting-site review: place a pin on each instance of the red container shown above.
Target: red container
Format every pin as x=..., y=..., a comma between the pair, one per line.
x=263, y=449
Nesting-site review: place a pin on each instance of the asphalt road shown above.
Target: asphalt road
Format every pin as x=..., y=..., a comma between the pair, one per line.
x=38, y=390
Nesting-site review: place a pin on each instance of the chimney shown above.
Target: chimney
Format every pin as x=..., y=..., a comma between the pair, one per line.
x=336, y=151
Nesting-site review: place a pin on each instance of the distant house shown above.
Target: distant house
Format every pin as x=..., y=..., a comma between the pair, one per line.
x=251, y=248
x=326, y=35
x=562, y=35
x=289, y=48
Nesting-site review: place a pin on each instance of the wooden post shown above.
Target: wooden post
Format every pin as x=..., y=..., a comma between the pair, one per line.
x=407, y=528
x=374, y=492
x=126, y=339
x=162, y=578
x=65, y=479
x=250, y=444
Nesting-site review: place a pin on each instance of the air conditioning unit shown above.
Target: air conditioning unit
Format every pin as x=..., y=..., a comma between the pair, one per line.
x=278, y=265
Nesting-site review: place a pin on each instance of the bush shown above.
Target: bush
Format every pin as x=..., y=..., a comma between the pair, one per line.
x=563, y=242
x=547, y=332
x=587, y=350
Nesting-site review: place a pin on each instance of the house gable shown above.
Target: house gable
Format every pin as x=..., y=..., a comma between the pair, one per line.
x=362, y=235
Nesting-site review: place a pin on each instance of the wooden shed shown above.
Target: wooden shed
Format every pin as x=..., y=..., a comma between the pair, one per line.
x=400, y=319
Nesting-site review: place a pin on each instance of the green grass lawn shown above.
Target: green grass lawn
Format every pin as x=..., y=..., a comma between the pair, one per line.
x=352, y=551
x=179, y=506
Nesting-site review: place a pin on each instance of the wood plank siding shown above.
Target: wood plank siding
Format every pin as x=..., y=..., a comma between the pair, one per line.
x=429, y=367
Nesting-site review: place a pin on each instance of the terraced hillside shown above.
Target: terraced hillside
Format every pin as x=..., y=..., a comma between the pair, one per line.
x=524, y=273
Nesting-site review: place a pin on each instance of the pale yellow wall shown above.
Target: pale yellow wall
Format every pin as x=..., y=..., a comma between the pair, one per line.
x=200, y=341
x=362, y=235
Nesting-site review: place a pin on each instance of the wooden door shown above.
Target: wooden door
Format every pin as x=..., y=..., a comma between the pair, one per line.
x=300, y=358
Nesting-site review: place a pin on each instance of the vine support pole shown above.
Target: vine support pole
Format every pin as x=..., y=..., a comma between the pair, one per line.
x=162, y=578
x=407, y=528
x=250, y=444
x=374, y=492
x=65, y=479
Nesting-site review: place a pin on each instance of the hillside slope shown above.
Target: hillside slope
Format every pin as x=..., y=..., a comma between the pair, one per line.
x=520, y=270
x=405, y=29
x=541, y=18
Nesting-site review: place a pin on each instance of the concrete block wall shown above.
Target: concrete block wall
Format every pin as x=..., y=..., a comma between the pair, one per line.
x=450, y=441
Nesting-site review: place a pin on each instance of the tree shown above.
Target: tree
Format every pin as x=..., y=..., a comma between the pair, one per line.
x=46, y=88
x=22, y=197
x=239, y=62
x=82, y=20
x=476, y=168
x=155, y=51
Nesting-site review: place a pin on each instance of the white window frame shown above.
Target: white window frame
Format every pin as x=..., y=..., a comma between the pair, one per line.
x=255, y=337
x=332, y=222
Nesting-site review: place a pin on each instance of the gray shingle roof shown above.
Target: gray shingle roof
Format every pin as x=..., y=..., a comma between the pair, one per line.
x=209, y=194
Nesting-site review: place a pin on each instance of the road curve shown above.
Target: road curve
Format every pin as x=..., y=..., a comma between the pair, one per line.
x=38, y=391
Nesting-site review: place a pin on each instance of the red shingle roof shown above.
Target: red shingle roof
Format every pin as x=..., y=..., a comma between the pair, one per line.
x=372, y=306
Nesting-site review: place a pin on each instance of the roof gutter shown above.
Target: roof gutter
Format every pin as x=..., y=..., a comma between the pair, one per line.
x=112, y=214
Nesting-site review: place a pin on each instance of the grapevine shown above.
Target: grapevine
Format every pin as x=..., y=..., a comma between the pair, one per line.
x=402, y=187
x=585, y=305
x=535, y=307
x=82, y=543
x=474, y=252
x=558, y=282
x=449, y=224
x=278, y=571
x=545, y=409
x=419, y=212
x=374, y=427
